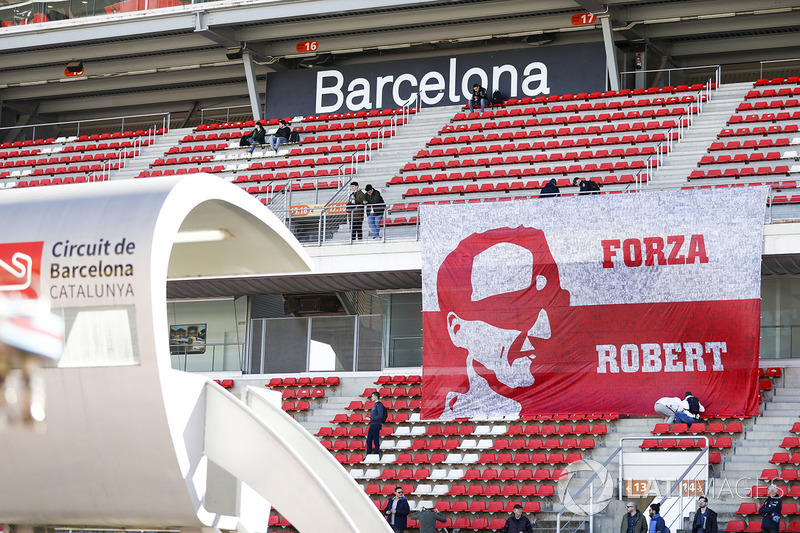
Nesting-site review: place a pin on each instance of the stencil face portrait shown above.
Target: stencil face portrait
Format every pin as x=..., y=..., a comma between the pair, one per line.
x=496, y=288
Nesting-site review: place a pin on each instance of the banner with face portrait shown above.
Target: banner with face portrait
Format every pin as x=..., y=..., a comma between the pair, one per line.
x=592, y=304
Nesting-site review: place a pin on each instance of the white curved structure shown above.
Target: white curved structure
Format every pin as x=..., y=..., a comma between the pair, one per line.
x=129, y=441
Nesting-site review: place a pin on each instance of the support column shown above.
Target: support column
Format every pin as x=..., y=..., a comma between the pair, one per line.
x=611, y=56
x=252, y=86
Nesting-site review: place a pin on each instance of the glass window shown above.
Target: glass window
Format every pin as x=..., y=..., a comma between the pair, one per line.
x=99, y=336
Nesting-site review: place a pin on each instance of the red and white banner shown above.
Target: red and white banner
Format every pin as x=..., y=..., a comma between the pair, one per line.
x=593, y=304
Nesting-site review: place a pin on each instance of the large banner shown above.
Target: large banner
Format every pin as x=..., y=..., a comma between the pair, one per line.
x=442, y=80
x=592, y=304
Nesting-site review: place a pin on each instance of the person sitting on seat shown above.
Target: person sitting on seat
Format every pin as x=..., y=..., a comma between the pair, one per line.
x=257, y=136
x=478, y=97
x=280, y=136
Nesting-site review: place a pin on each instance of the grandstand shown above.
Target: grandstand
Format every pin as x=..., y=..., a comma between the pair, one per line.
x=699, y=96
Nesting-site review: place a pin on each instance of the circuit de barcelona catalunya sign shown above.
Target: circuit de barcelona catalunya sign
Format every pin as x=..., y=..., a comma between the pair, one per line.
x=439, y=80
x=592, y=304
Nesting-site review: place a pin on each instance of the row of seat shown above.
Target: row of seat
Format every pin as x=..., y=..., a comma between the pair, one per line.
x=471, y=474
x=302, y=394
x=611, y=105
x=746, y=172
x=667, y=444
x=317, y=381
x=59, y=181
x=396, y=392
x=613, y=124
x=754, y=526
x=633, y=151
x=742, y=158
x=772, y=93
x=764, y=117
x=593, y=138
x=519, y=458
x=697, y=428
x=751, y=144
x=750, y=508
x=761, y=82
x=759, y=130
x=471, y=444
x=772, y=104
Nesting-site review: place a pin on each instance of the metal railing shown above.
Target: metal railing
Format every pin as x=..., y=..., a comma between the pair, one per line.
x=217, y=360
x=762, y=63
x=589, y=483
x=165, y=123
x=227, y=110
x=669, y=71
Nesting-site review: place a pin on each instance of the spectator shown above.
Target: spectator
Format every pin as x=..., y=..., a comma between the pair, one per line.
x=376, y=419
x=356, y=203
x=705, y=520
x=257, y=136
x=478, y=97
x=667, y=407
x=770, y=510
x=375, y=210
x=633, y=521
x=516, y=523
x=427, y=520
x=657, y=524
x=280, y=136
x=690, y=410
x=396, y=511
x=586, y=186
x=550, y=189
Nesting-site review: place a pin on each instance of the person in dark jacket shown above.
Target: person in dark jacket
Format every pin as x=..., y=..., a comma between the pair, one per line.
x=375, y=424
x=257, y=136
x=770, y=510
x=280, y=136
x=586, y=186
x=550, y=189
x=427, y=519
x=356, y=205
x=633, y=521
x=657, y=524
x=705, y=520
x=517, y=523
x=396, y=511
x=478, y=97
x=375, y=209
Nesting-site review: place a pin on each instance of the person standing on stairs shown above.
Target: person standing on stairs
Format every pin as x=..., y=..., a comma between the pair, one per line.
x=633, y=521
x=376, y=419
x=705, y=520
x=770, y=510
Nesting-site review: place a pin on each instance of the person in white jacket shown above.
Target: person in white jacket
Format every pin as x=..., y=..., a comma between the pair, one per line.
x=667, y=407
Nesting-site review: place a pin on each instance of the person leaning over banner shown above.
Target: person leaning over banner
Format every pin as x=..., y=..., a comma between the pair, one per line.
x=633, y=521
x=586, y=186
x=770, y=510
x=427, y=519
x=667, y=407
x=375, y=209
x=690, y=410
x=376, y=419
x=550, y=189
x=705, y=520
x=516, y=523
x=397, y=510
x=657, y=524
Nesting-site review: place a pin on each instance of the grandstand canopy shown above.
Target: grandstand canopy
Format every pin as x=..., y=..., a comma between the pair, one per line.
x=174, y=59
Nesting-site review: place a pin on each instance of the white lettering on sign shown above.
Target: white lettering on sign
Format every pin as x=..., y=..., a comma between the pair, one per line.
x=433, y=86
x=666, y=357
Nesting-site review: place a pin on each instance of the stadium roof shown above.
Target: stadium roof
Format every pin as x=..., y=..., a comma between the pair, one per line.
x=174, y=59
